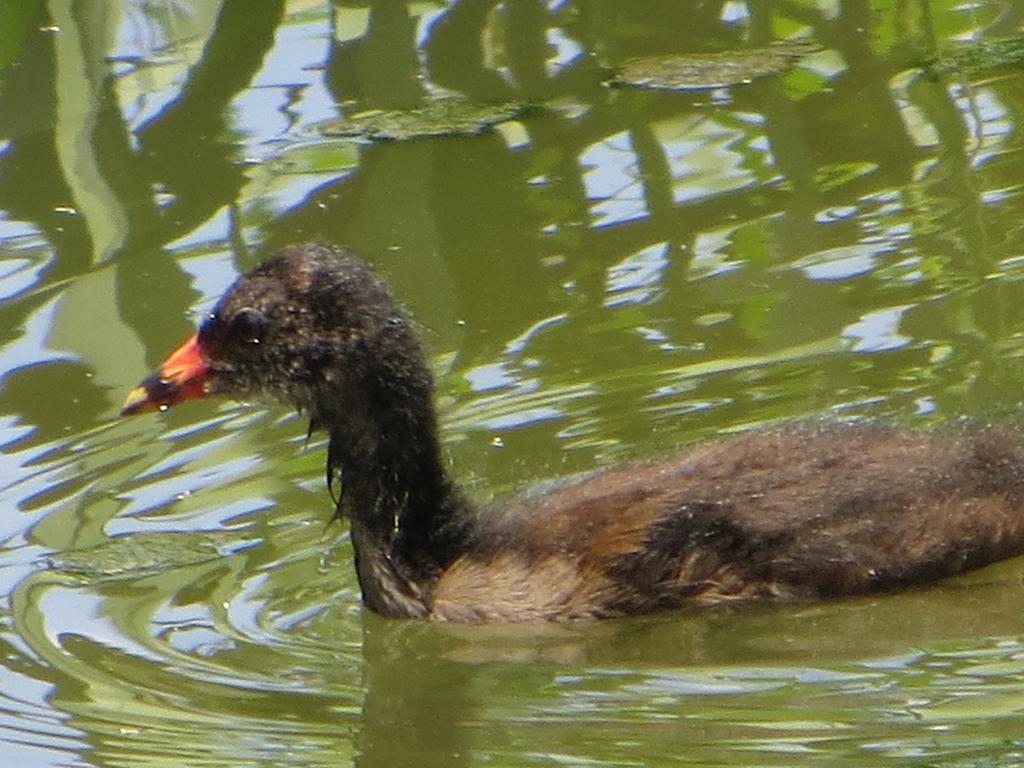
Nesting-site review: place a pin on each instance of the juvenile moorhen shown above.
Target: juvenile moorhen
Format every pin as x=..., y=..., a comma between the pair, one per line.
x=806, y=511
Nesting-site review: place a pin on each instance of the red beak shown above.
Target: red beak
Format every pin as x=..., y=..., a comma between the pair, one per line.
x=182, y=376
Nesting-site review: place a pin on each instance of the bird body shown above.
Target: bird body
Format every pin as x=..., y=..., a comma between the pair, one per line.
x=808, y=511
x=801, y=511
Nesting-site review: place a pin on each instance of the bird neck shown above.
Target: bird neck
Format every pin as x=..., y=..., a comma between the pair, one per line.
x=408, y=519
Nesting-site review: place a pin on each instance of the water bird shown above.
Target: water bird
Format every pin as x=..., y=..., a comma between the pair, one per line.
x=803, y=511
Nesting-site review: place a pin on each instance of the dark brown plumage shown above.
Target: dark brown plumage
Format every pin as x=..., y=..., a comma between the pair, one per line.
x=808, y=511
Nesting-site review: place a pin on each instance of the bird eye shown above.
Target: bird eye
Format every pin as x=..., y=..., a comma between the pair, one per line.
x=249, y=325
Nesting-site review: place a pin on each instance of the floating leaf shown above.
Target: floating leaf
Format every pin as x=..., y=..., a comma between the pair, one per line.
x=698, y=71
x=143, y=554
x=443, y=117
x=979, y=55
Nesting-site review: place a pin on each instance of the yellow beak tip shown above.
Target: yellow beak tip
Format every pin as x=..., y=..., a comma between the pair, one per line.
x=138, y=401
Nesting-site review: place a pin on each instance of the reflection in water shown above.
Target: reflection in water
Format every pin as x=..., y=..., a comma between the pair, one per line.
x=617, y=277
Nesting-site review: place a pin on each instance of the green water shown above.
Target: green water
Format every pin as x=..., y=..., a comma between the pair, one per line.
x=614, y=275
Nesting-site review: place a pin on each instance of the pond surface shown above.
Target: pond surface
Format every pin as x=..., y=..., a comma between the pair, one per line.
x=611, y=275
